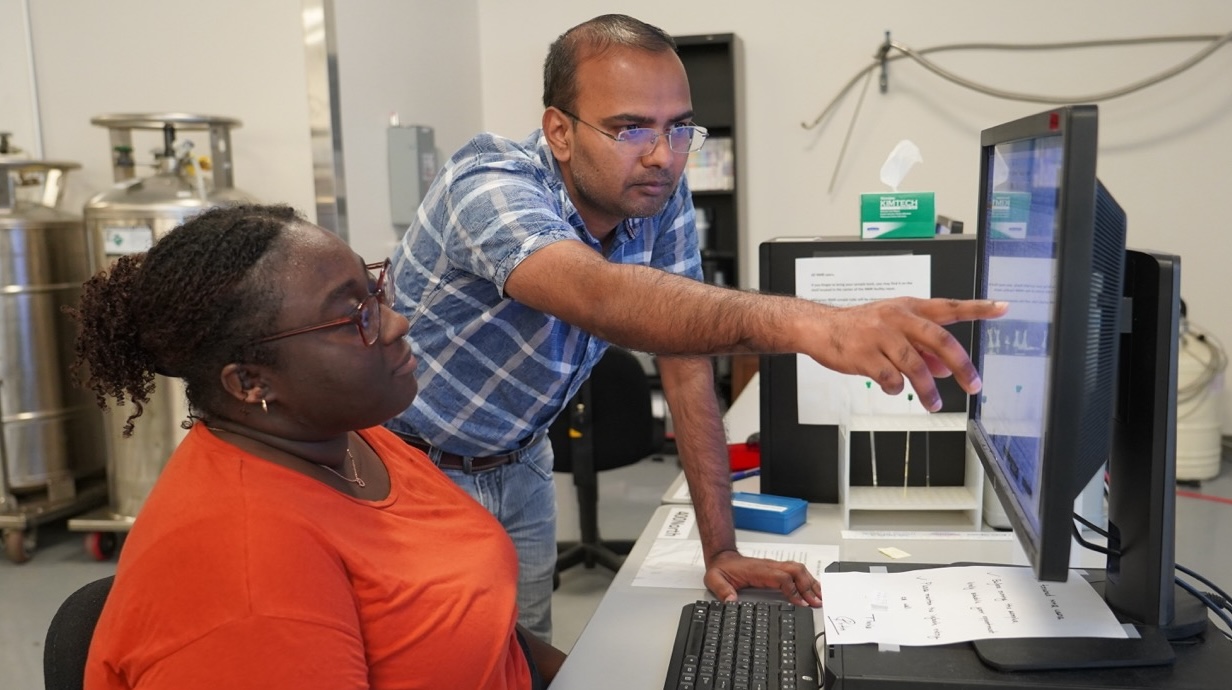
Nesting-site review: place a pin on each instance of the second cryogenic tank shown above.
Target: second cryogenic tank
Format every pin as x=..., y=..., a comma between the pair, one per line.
x=127, y=219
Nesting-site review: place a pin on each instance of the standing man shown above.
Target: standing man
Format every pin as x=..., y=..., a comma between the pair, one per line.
x=528, y=257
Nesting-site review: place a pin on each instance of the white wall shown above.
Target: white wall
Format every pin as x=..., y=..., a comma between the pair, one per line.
x=247, y=61
x=17, y=112
x=1164, y=152
x=231, y=58
x=419, y=59
x=464, y=66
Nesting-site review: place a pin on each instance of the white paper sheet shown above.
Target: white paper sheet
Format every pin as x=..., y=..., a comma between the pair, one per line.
x=927, y=535
x=825, y=396
x=680, y=564
x=943, y=605
x=679, y=523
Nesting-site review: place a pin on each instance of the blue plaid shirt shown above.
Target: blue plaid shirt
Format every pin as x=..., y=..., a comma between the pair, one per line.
x=494, y=373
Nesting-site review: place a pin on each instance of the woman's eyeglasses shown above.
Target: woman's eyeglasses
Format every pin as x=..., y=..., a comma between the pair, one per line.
x=366, y=317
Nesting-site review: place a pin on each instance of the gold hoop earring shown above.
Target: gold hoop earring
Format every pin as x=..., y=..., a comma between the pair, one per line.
x=264, y=406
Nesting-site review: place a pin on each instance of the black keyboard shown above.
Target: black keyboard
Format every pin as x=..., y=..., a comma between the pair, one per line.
x=744, y=645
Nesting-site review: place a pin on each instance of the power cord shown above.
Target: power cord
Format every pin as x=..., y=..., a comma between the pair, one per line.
x=1220, y=597
x=1215, y=40
x=883, y=57
x=1218, y=602
x=1215, y=43
x=1088, y=545
x=817, y=652
x=1209, y=603
x=1215, y=363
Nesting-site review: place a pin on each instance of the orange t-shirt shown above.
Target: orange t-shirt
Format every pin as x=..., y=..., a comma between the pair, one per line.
x=240, y=573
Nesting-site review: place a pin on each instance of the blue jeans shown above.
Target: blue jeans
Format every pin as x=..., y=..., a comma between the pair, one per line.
x=522, y=496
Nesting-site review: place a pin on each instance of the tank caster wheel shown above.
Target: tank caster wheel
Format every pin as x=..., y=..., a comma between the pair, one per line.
x=101, y=545
x=19, y=545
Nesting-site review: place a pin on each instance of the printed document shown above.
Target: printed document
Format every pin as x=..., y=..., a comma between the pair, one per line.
x=681, y=564
x=677, y=561
x=828, y=397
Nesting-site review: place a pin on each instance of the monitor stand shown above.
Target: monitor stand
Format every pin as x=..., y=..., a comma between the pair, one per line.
x=1065, y=653
x=1199, y=664
x=1151, y=648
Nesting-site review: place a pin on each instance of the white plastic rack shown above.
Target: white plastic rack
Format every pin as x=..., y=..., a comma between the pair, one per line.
x=890, y=504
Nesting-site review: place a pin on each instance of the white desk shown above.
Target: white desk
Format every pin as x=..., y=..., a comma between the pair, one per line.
x=672, y=495
x=628, y=641
x=740, y=420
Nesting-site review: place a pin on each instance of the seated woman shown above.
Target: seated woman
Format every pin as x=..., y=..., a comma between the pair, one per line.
x=290, y=542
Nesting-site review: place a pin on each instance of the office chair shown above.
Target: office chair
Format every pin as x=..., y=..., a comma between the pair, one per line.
x=608, y=424
x=69, y=634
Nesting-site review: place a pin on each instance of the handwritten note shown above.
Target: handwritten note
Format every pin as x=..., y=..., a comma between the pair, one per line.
x=943, y=605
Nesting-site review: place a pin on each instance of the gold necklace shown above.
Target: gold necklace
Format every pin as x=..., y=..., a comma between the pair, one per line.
x=354, y=468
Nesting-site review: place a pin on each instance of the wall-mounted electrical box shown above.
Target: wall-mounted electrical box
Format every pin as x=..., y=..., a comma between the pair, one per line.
x=412, y=166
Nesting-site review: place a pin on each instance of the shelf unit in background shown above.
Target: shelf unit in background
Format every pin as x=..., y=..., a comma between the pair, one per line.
x=713, y=63
x=945, y=481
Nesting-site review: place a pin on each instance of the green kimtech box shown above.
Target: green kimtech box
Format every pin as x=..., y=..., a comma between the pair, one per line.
x=1008, y=215
x=894, y=215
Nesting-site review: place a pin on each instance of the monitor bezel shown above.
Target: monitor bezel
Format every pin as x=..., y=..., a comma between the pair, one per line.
x=1047, y=545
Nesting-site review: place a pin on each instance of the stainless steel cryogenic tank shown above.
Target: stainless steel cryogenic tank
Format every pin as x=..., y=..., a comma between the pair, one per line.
x=53, y=448
x=128, y=218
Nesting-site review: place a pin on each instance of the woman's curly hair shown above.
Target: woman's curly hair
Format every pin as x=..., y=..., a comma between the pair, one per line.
x=190, y=305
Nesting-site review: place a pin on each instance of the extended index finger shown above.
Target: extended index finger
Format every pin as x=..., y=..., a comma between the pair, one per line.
x=948, y=311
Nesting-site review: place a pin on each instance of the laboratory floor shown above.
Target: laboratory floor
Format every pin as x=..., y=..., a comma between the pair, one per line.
x=30, y=593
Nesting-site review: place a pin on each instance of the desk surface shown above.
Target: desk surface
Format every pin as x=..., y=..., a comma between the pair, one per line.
x=672, y=494
x=627, y=642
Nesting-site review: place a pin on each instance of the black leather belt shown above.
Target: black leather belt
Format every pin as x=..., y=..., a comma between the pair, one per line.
x=454, y=461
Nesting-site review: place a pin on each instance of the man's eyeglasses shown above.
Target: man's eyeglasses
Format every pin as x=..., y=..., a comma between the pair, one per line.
x=366, y=317
x=642, y=140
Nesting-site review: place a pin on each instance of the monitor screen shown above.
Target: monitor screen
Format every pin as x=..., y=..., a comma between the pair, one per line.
x=1022, y=221
x=1051, y=243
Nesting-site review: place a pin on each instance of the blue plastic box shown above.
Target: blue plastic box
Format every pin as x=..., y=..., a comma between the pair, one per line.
x=767, y=513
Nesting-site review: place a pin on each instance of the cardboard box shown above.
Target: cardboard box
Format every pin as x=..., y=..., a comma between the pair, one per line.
x=895, y=215
x=767, y=513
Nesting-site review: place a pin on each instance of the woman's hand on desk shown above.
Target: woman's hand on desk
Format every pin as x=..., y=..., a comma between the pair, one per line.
x=730, y=571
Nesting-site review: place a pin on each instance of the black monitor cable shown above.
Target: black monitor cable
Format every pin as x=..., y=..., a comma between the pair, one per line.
x=1221, y=598
x=1216, y=594
x=1094, y=528
x=1219, y=603
x=821, y=671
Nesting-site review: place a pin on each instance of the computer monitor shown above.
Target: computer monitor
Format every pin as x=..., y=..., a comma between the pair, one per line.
x=1052, y=244
x=1079, y=376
